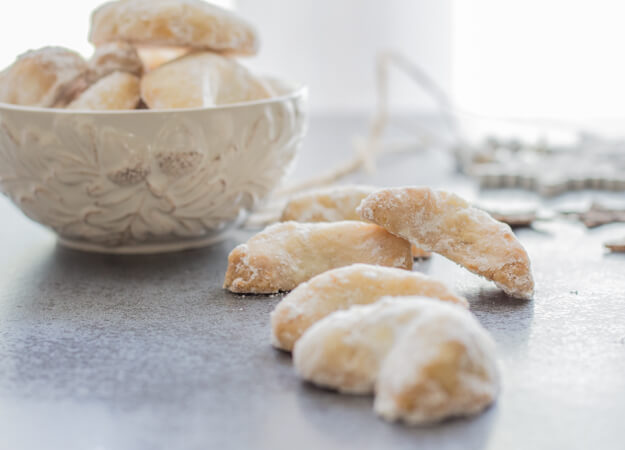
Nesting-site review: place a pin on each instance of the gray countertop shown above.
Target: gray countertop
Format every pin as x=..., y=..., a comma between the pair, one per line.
x=142, y=352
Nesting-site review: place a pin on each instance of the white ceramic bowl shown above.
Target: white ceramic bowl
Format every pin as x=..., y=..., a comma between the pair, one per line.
x=148, y=181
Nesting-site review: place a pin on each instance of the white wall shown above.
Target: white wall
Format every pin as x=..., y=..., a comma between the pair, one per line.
x=549, y=58
x=331, y=45
x=30, y=24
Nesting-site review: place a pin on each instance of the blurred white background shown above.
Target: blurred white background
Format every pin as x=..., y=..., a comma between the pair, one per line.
x=332, y=45
x=540, y=58
x=535, y=58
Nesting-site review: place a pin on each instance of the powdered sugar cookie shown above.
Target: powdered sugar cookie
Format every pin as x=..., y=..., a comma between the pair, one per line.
x=338, y=289
x=326, y=205
x=425, y=359
x=289, y=253
x=186, y=23
x=350, y=350
x=444, y=223
x=114, y=57
x=200, y=79
x=344, y=350
x=46, y=77
x=153, y=57
x=330, y=205
x=116, y=91
x=444, y=365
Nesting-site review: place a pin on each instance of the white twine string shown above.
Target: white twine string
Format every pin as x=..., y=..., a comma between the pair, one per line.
x=367, y=150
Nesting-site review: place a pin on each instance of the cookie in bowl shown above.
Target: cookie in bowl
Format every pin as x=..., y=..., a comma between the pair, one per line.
x=201, y=79
x=81, y=154
x=147, y=181
x=115, y=57
x=184, y=23
x=118, y=90
x=45, y=77
x=154, y=57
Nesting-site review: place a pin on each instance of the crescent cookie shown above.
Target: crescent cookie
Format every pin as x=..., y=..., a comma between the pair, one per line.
x=153, y=57
x=185, y=23
x=426, y=360
x=114, y=57
x=444, y=223
x=330, y=205
x=443, y=366
x=117, y=91
x=200, y=79
x=326, y=205
x=344, y=350
x=338, y=289
x=287, y=254
x=45, y=77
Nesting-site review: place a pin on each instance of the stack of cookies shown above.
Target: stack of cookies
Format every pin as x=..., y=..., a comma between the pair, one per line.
x=359, y=320
x=156, y=54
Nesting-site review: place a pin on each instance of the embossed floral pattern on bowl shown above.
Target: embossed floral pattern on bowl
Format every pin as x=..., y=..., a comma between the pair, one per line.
x=147, y=181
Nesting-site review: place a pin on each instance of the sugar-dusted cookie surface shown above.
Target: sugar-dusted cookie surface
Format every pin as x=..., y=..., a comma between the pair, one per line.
x=186, y=23
x=116, y=91
x=344, y=350
x=330, y=205
x=444, y=365
x=45, y=77
x=114, y=57
x=444, y=223
x=327, y=204
x=426, y=360
x=200, y=79
x=287, y=254
x=338, y=289
x=153, y=57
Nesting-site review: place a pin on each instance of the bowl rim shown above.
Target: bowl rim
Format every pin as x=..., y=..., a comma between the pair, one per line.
x=295, y=90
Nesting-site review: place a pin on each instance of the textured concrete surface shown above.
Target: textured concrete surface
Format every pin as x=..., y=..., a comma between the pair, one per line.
x=148, y=352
